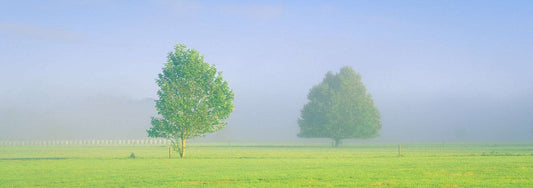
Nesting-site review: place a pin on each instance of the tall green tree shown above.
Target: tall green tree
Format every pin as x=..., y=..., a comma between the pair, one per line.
x=193, y=99
x=339, y=108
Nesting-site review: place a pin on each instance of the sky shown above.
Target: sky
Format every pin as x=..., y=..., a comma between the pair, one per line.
x=437, y=70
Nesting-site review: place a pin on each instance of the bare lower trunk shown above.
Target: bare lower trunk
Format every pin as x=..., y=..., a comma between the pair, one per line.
x=182, y=150
x=337, y=142
x=170, y=151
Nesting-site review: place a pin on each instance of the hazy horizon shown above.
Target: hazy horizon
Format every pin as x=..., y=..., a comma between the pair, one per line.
x=438, y=71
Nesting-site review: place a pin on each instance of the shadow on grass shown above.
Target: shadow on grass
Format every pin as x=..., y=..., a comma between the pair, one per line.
x=295, y=146
x=34, y=158
x=259, y=146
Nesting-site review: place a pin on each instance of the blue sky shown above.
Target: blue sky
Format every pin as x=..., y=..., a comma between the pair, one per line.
x=271, y=52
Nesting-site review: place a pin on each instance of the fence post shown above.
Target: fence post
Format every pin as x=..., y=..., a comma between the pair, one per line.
x=399, y=150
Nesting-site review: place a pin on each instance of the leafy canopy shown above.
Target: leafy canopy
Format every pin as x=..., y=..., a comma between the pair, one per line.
x=339, y=108
x=193, y=97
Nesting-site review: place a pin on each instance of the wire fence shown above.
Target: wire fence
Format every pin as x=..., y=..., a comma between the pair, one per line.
x=84, y=142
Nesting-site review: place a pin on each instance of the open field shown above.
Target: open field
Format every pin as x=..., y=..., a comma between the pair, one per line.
x=278, y=165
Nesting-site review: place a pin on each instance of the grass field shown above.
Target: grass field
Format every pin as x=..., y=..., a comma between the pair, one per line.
x=279, y=165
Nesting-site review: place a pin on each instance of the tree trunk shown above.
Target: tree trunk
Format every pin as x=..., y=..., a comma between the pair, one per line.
x=170, y=151
x=182, y=151
x=337, y=141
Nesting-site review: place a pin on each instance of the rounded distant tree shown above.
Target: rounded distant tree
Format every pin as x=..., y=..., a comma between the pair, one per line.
x=340, y=108
x=193, y=99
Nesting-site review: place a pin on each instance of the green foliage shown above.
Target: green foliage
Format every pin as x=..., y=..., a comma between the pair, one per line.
x=340, y=108
x=309, y=165
x=193, y=98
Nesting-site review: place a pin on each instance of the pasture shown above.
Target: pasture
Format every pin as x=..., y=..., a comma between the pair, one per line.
x=274, y=165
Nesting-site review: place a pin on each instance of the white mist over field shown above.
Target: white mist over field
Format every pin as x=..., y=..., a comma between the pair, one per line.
x=438, y=71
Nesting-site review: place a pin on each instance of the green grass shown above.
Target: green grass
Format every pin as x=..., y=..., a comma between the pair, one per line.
x=279, y=165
